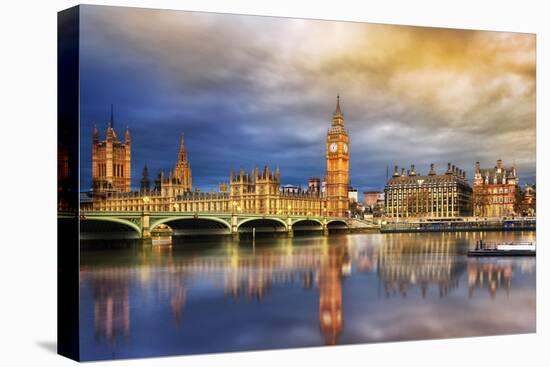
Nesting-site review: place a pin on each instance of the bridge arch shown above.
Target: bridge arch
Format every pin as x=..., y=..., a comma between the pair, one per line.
x=205, y=219
x=274, y=220
x=318, y=221
x=337, y=224
x=133, y=227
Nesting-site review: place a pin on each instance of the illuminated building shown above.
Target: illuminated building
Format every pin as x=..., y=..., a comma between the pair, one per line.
x=314, y=185
x=529, y=200
x=111, y=161
x=337, y=156
x=257, y=192
x=411, y=195
x=495, y=191
x=352, y=195
x=178, y=181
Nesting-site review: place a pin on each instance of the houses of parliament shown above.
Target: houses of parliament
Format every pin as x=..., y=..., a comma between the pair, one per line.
x=257, y=192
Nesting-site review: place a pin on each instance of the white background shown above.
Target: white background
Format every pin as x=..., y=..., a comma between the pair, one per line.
x=28, y=182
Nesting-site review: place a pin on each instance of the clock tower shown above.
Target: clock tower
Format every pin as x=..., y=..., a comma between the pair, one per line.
x=337, y=165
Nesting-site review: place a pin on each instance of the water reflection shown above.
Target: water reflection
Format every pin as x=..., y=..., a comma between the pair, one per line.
x=404, y=264
x=111, y=305
x=251, y=284
x=332, y=267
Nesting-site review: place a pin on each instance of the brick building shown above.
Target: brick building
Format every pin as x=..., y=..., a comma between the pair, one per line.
x=496, y=191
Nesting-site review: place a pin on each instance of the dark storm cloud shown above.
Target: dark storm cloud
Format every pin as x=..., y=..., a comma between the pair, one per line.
x=256, y=90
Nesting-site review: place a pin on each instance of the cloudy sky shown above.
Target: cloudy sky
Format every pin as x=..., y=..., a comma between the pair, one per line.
x=249, y=90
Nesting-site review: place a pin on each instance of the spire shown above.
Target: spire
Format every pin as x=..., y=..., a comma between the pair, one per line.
x=432, y=169
x=182, y=156
x=112, y=120
x=127, y=136
x=338, y=116
x=95, y=135
x=338, y=111
x=144, y=185
x=395, y=171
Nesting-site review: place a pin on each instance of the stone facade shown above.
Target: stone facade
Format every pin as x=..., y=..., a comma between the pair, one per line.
x=495, y=191
x=111, y=161
x=257, y=192
x=178, y=181
x=529, y=200
x=314, y=185
x=337, y=156
x=408, y=195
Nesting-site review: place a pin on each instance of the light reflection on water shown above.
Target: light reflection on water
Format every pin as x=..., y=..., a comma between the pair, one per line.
x=219, y=295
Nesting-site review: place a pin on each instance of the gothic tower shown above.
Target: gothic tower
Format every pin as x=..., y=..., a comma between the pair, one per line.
x=144, y=184
x=182, y=171
x=337, y=165
x=111, y=161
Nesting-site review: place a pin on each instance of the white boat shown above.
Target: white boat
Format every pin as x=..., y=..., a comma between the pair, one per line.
x=504, y=249
x=523, y=246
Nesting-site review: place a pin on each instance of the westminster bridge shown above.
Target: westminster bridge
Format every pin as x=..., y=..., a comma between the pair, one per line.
x=145, y=225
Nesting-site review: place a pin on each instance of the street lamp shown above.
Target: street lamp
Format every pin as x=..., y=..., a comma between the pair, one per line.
x=289, y=207
x=145, y=201
x=176, y=207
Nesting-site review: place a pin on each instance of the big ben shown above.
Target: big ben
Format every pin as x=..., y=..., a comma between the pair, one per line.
x=337, y=165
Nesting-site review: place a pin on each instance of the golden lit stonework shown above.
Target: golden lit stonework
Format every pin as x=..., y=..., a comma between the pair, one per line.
x=337, y=156
x=257, y=192
x=111, y=161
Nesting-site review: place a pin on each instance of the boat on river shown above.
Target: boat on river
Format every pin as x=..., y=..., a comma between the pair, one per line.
x=503, y=249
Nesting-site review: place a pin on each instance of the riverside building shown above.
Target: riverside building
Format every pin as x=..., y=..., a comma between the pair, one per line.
x=410, y=195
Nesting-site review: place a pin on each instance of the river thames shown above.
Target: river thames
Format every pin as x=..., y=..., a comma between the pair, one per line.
x=220, y=295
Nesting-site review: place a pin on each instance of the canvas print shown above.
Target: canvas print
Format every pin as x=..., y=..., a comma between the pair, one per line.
x=236, y=183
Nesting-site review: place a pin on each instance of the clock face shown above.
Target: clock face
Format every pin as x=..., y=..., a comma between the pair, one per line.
x=345, y=148
x=333, y=147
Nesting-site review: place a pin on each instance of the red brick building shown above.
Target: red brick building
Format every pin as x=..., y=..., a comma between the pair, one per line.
x=495, y=191
x=370, y=198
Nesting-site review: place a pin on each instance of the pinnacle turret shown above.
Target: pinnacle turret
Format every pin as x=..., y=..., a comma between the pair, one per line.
x=338, y=115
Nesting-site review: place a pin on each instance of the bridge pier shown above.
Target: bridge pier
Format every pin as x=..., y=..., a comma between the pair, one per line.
x=145, y=230
x=234, y=227
x=290, y=232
